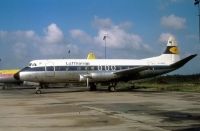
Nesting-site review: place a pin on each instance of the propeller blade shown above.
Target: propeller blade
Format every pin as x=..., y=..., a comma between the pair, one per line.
x=87, y=82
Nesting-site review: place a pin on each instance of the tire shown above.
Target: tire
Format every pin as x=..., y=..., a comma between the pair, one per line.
x=3, y=87
x=93, y=87
x=112, y=88
x=38, y=92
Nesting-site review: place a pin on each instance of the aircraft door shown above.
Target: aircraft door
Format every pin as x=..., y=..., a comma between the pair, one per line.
x=50, y=69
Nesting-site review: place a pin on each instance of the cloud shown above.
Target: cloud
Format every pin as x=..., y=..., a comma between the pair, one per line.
x=118, y=35
x=53, y=34
x=173, y=22
x=102, y=23
x=164, y=37
x=165, y=4
x=28, y=44
x=81, y=35
x=20, y=50
x=118, y=38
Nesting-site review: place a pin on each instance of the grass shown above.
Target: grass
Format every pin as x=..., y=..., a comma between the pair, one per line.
x=183, y=87
x=188, y=83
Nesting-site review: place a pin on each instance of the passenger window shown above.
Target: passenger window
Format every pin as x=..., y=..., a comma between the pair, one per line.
x=62, y=68
x=49, y=68
x=66, y=68
x=95, y=68
x=73, y=68
x=92, y=67
x=82, y=68
x=79, y=68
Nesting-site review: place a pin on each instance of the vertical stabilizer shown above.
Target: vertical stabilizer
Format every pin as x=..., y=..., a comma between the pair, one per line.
x=171, y=53
x=91, y=56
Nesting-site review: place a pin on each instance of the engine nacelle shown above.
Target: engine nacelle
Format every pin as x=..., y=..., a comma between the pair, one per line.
x=106, y=76
x=102, y=76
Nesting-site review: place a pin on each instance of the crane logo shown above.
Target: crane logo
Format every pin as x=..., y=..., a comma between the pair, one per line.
x=174, y=50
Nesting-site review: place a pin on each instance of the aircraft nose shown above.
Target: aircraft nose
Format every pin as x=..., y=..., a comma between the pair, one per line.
x=16, y=76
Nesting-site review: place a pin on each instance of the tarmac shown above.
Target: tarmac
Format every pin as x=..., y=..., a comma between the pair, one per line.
x=77, y=109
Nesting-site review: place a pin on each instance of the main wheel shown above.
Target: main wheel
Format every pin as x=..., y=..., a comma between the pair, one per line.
x=38, y=92
x=112, y=88
x=3, y=87
x=93, y=87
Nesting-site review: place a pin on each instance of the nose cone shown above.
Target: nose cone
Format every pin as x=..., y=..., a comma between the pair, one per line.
x=21, y=74
x=16, y=76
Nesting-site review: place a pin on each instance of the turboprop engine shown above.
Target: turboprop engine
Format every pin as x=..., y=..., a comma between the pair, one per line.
x=98, y=77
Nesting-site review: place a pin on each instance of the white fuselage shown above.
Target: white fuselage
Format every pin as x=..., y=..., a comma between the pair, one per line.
x=98, y=70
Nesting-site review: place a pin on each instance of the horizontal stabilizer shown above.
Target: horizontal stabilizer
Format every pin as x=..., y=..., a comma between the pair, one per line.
x=182, y=62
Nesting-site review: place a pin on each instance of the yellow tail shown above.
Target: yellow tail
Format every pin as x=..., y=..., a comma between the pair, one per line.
x=91, y=56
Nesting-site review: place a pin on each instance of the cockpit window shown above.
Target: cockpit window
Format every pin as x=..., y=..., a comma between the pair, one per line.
x=29, y=64
x=32, y=64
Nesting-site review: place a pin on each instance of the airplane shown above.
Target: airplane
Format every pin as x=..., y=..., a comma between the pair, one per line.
x=94, y=71
x=7, y=77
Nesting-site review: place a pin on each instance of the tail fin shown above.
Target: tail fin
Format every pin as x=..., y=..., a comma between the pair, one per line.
x=91, y=56
x=172, y=46
x=171, y=53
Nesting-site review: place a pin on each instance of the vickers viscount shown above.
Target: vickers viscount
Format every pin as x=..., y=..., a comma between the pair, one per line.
x=95, y=71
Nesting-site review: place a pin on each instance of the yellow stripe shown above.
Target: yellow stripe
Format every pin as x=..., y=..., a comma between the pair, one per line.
x=174, y=50
x=12, y=71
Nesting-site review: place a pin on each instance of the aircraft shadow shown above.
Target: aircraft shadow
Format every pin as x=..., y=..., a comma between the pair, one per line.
x=84, y=89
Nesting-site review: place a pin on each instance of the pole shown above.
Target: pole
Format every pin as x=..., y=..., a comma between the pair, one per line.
x=69, y=53
x=199, y=22
x=105, y=47
x=196, y=2
x=104, y=38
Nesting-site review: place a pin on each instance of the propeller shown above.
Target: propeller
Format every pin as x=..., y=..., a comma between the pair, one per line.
x=87, y=82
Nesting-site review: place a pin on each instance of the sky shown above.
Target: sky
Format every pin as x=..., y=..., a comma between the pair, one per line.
x=44, y=29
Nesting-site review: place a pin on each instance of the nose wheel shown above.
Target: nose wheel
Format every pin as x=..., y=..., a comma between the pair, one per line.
x=38, y=91
x=112, y=87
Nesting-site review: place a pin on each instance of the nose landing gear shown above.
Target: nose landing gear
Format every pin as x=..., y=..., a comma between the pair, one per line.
x=37, y=90
x=41, y=86
x=112, y=87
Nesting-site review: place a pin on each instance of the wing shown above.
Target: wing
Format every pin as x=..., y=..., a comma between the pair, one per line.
x=131, y=71
x=182, y=62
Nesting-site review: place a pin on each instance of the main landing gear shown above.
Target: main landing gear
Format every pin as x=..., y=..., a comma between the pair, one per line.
x=111, y=87
x=93, y=86
x=37, y=90
x=3, y=87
